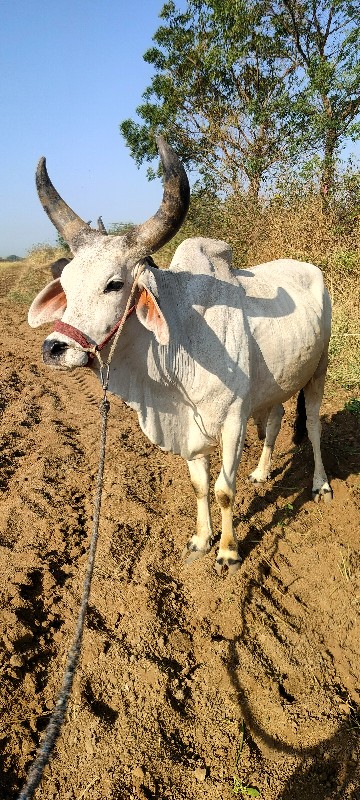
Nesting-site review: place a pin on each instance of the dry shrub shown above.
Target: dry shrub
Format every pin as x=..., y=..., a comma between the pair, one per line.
x=27, y=277
x=42, y=254
x=302, y=229
x=344, y=353
x=309, y=232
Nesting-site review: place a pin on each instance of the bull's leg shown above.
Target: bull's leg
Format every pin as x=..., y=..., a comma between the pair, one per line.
x=313, y=392
x=260, y=420
x=273, y=425
x=232, y=444
x=199, y=544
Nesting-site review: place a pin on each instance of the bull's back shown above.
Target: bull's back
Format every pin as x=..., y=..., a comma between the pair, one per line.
x=288, y=312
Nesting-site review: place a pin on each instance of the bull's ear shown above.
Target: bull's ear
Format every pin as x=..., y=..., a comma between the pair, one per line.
x=57, y=267
x=49, y=305
x=150, y=315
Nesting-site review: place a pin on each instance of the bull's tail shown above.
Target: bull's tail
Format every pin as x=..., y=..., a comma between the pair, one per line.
x=300, y=429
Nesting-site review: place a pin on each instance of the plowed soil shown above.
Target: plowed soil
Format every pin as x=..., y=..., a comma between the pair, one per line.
x=175, y=660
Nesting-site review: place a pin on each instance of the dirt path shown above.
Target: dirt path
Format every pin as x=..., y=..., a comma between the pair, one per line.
x=174, y=658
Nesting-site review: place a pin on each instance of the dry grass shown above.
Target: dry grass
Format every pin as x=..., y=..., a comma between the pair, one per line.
x=296, y=227
x=24, y=279
x=344, y=353
x=41, y=255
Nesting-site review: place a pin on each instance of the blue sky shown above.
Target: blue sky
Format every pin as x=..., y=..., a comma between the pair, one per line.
x=70, y=72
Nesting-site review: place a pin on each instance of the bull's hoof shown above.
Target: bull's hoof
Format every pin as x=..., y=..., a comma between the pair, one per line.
x=192, y=552
x=227, y=566
x=325, y=492
x=257, y=477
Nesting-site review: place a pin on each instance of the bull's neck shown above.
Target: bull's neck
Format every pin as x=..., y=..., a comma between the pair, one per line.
x=141, y=361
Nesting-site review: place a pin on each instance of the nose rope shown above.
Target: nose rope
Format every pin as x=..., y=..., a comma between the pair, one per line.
x=117, y=330
x=80, y=338
x=95, y=351
x=57, y=717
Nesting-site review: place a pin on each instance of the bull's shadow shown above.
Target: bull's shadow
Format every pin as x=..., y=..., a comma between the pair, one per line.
x=329, y=770
x=340, y=445
x=337, y=777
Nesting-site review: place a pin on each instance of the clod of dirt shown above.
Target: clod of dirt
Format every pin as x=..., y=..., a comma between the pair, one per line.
x=200, y=774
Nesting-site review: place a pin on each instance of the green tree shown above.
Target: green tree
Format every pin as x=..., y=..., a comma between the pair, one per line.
x=323, y=44
x=61, y=243
x=220, y=92
x=241, y=87
x=119, y=228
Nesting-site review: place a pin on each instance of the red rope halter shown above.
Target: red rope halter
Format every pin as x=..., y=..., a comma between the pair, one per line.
x=80, y=338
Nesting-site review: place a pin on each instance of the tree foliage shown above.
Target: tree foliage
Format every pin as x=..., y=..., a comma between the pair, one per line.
x=323, y=39
x=241, y=87
x=219, y=91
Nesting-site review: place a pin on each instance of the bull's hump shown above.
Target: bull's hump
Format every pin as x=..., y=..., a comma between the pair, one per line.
x=201, y=256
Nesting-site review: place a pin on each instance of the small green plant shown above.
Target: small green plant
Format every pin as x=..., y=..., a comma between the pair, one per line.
x=345, y=260
x=353, y=406
x=246, y=791
x=286, y=514
x=288, y=509
x=239, y=787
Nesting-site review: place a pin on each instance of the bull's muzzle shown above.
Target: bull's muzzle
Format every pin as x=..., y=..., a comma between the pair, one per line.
x=52, y=350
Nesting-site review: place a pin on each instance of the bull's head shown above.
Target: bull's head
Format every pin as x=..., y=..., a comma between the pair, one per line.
x=94, y=287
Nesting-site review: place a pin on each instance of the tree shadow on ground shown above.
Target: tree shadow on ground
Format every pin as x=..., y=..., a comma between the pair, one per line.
x=329, y=770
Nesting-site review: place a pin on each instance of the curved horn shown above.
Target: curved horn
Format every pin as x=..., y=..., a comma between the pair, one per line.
x=159, y=229
x=71, y=227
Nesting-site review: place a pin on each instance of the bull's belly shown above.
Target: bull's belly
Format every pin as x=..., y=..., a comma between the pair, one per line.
x=284, y=354
x=287, y=379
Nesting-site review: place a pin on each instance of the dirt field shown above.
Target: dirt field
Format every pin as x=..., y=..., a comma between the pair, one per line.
x=175, y=659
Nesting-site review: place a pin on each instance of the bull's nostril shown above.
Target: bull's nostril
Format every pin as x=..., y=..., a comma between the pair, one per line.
x=57, y=348
x=54, y=349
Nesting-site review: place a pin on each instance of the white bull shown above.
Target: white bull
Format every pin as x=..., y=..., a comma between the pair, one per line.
x=208, y=347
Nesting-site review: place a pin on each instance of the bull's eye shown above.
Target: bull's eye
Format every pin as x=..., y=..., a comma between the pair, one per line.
x=114, y=286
